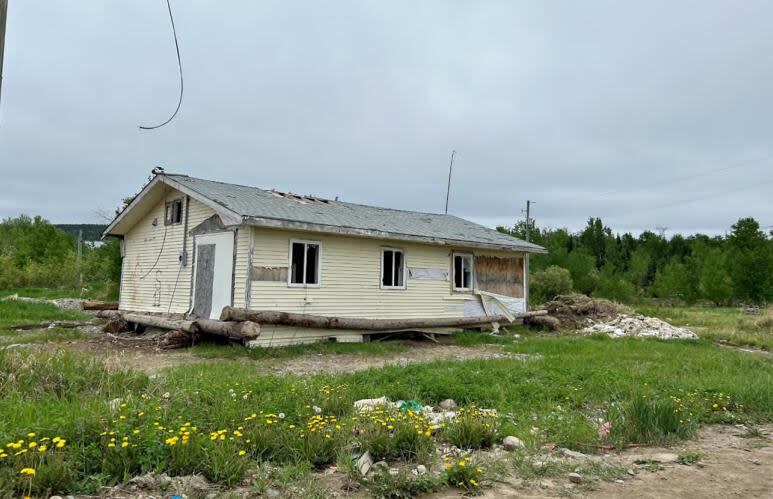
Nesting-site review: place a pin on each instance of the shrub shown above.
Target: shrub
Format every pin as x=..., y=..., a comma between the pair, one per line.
x=551, y=282
x=473, y=428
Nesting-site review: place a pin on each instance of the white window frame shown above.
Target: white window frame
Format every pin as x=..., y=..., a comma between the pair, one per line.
x=453, y=271
x=381, y=268
x=305, y=242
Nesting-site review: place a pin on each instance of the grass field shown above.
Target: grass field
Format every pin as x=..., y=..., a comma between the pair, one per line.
x=81, y=427
x=729, y=324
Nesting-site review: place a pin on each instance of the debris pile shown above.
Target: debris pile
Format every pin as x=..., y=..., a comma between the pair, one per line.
x=640, y=326
x=575, y=310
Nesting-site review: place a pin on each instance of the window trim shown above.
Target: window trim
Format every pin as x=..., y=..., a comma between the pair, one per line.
x=290, y=283
x=169, y=211
x=453, y=272
x=381, y=269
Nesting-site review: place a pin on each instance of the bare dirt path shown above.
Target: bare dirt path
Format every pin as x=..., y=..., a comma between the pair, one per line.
x=731, y=466
x=143, y=357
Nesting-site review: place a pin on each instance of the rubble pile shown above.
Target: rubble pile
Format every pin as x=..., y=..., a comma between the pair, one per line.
x=640, y=326
x=575, y=310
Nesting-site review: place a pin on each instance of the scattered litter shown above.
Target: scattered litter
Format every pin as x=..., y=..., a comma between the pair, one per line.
x=367, y=405
x=640, y=326
x=365, y=463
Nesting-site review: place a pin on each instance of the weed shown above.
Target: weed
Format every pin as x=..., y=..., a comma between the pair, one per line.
x=473, y=428
x=403, y=485
x=463, y=473
x=690, y=457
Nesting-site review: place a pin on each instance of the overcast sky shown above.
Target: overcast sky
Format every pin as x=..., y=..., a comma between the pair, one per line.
x=648, y=114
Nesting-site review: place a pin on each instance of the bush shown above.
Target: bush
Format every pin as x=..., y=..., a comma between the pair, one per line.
x=551, y=282
x=463, y=474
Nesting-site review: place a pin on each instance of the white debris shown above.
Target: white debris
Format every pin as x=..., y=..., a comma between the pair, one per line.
x=367, y=405
x=640, y=326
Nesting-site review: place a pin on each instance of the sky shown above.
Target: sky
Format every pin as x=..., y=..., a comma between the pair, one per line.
x=647, y=114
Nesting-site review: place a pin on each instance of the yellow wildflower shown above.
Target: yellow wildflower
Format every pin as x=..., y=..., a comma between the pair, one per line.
x=27, y=471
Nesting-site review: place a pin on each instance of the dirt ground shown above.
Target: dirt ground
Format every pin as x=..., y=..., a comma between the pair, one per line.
x=143, y=357
x=731, y=466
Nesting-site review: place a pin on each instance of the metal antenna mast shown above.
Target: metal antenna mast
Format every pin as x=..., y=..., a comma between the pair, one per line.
x=450, y=169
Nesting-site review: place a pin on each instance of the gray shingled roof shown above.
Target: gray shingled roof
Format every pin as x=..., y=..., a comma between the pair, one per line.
x=254, y=204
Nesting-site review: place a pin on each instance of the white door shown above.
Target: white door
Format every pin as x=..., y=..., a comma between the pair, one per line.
x=212, y=273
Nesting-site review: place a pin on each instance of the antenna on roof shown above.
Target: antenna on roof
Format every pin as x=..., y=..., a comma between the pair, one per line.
x=450, y=169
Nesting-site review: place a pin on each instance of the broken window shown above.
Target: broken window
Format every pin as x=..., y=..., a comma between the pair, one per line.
x=174, y=212
x=392, y=268
x=462, y=272
x=304, y=263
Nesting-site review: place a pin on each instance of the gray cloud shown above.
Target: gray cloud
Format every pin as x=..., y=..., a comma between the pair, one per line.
x=581, y=106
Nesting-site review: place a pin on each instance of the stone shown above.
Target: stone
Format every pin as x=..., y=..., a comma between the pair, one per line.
x=572, y=454
x=631, y=472
x=448, y=405
x=574, y=477
x=364, y=463
x=380, y=465
x=55, y=497
x=272, y=492
x=620, y=482
x=510, y=443
x=421, y=470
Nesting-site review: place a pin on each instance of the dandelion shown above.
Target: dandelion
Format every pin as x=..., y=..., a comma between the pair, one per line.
x=27, y=471
x=242, y=452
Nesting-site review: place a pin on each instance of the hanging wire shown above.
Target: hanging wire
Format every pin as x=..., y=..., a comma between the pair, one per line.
x=179, y=66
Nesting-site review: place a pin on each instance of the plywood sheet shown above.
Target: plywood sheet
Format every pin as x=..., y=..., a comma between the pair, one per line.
x=503, y=276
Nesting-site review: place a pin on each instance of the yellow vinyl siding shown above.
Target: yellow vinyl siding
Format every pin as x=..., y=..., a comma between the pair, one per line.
x=143, y=244
x=350, y=273
x=242, y=265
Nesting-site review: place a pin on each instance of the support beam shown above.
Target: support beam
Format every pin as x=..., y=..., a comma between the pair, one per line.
x=327, y=322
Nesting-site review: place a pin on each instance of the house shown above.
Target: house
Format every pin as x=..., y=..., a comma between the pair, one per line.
x=193, y=246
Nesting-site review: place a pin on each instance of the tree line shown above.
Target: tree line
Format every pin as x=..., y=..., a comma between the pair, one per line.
x=736, y=268
x=37, y=254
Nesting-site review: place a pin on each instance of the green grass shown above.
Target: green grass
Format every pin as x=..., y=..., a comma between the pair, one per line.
x=230, y=351
x=561, y=395
x=14, y=312
x=47, y=293
x=56, y=334
x=728, y=324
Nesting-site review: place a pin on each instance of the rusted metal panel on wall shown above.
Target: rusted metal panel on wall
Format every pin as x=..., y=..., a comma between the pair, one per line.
x=276, y=274
x=503, y=276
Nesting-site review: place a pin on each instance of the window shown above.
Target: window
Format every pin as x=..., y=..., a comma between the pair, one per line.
x=304, y=263
x=462, y=272
x=174, y=212
x=392, y=268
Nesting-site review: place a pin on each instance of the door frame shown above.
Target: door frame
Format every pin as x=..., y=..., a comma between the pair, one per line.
x=203, y=239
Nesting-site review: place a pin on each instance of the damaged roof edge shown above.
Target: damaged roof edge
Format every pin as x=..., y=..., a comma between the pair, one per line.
x=274, y=223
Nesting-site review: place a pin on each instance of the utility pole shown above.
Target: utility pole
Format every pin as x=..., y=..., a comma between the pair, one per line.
x=450, y=168
x=526, y=256
x=3, y=16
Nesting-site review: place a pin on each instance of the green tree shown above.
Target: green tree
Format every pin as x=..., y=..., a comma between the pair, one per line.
x=549, y=283
x=715, y=284
x=675, y=281
x=750, y=261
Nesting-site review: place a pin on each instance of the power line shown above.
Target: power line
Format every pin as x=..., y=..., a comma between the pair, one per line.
x=179, y=66
x=450, y=168
x=674, y=180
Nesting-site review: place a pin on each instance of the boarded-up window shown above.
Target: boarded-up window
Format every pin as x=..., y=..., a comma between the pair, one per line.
x=392, y=268
x=503, y=276
x=173, y=214
x=304, y=263
x=462, y=272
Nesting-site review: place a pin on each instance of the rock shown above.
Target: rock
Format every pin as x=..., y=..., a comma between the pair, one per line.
x=620, y=482
x=756, y=462
x=421, y=470
x=510, y=443
x=272, y=492
x=365, y=463
x=631, y=472
x=660, y=457
x=380, y=465
x=366, y=405
x=55, y=497
x=448, y=405
x=640, y=326
x=572, y=454
x=574, y=477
